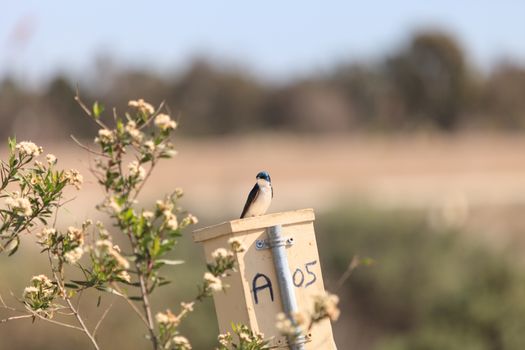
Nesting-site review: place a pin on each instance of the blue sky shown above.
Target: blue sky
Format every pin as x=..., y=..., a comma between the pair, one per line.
x=276, y=39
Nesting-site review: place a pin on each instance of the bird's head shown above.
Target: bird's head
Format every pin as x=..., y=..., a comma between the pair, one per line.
x=263, y=175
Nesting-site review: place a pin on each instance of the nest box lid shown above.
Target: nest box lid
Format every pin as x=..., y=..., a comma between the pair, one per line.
x=253, y=223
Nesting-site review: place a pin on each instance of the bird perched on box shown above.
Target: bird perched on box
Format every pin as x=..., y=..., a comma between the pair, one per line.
x=260, y=196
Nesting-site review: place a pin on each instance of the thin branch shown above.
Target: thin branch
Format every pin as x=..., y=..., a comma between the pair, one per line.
x=12, y=318
x=354, y=263
x=130, y=302
x=148, y=174
x=147, y=309
x=33, y=314
x=81, y=145
x=80, y=293
x=4, y=305
x=82, y=324
x=59, y=323
x=87, y=111
x=68, y=301
x=65, y=313
x=102, y=318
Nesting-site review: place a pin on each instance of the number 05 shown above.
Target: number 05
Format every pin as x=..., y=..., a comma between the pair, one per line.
x=299, y=278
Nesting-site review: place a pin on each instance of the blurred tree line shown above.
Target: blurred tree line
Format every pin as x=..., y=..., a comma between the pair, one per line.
x=426, y=84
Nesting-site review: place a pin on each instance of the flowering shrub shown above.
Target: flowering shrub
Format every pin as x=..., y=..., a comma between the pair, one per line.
x=32, y=191
x=246, y=339
x=40, y=295
x=300, y=322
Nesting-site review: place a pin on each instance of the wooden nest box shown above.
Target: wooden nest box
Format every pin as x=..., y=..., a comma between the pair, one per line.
x=254, y=294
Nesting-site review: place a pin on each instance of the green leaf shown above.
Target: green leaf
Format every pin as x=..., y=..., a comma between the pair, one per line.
x=163, y=283
x=71, y=285
x=15, y=248
x=97, y=109
x=156, y=247
x=83, y=283
x=11, y=142
x=120, y=126
x=367, y=261
x=109, y=290
x=134, y=284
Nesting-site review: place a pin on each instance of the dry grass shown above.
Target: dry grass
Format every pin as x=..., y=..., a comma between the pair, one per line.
x=473, y=178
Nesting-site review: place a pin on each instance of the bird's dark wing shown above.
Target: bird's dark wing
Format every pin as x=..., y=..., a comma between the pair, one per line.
x=251, y=197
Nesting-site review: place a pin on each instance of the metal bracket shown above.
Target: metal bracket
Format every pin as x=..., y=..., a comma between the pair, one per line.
x=262, y=244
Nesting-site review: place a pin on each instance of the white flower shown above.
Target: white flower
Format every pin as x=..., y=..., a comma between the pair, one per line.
x=121, y=261
x=75, y=234
x=161, y=318
x=136, y=170
x=188, y=307
x=170, y=153
x=170, y=220
x=179, y=192
x=18, y=204
x=193, y=219
x=104, y=244
x=167, y=318
x=164, y=206
x=244, y=337
x=134, y=133
x=35, y=179
x=236, y=245
x=214, y=283
x=219, y=253
x=164, y=122
x=105, y=136
x=142, y=106
x=300, y=318
x=181, y=342
x=284, y=325
x=150, y=146
x=74, y=178
x=326, y=305
x=172, y=223
x=41, y=280
x=29, y=148
x=224, y=339
x=189, y=220
x=124, y=275
x=74, y=255
x=113, y=205
x=30, y=291
x=43, y=236
x=148, y=215
x=51, y=159
x=114, y=251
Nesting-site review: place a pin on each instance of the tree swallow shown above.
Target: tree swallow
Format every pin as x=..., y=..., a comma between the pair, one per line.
x=260, y=196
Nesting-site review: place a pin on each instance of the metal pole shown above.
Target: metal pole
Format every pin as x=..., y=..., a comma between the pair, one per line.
x=284, y=276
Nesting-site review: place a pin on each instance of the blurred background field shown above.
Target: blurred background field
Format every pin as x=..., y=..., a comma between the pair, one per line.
x=401, y=125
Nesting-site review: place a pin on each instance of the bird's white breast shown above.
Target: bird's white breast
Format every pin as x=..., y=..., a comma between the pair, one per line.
x=261, y=204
